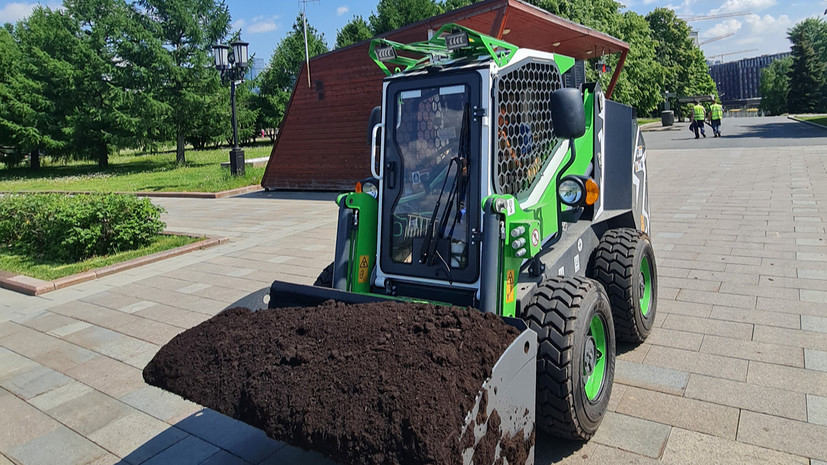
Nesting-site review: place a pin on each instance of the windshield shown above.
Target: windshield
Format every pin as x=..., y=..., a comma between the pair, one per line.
x=428, y=128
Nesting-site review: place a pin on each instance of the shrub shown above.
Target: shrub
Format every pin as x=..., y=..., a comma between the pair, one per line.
x=71, y=228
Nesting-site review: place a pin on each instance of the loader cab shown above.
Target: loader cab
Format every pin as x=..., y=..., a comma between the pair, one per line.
x=430, y=182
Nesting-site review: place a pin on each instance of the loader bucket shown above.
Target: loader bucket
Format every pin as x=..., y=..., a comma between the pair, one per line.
x=498, y=423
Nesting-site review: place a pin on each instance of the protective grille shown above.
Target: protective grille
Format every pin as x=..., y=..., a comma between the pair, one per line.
x=525, y=137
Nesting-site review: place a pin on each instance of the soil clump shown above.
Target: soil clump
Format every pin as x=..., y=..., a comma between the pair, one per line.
x=379, y=383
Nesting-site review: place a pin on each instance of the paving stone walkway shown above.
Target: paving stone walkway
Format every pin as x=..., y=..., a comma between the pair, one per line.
x=734, y=372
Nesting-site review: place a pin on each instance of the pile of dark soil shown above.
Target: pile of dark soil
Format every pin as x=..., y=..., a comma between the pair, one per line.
x=379, y=383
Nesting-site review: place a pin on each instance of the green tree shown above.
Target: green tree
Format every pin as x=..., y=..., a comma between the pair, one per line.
x=602, y=15
x=23, y=106
x=639, y=85
x=775, y=86
x=393, y=14
x=277, y=81
x=356, y=30
x=807, y=80
x=105, y=114
x=185, y=31
x=809, y=33
x=814, y=30
x=686, y=72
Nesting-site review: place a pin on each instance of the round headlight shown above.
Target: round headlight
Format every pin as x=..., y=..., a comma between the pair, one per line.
x=570, y=192
x=370, y=188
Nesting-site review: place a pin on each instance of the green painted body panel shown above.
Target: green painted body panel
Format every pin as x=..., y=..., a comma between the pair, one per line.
x=434, y=48
x=541, y=217
x=363, y=240
x=564, y=63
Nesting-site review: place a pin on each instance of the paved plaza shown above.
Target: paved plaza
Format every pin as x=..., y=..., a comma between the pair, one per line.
x=735, y=371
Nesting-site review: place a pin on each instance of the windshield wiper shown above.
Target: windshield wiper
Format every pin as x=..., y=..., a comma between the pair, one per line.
x=459, y=188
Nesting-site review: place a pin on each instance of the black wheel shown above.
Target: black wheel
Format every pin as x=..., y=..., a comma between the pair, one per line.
x=325, y=278
x=575, y=356
x=624, y=263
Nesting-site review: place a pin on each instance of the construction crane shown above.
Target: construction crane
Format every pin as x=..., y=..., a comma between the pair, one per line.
x=713, y=39
x=718, y=55
x=688, y=18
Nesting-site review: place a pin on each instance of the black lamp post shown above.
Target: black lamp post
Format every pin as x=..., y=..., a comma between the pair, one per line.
x=232, y=69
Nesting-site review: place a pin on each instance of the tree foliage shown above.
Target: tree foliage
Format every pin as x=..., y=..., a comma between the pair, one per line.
x=393, y=14
x=775, y=86
x=356, y=30
x=639, y=85
x=807, y=75
x=183, y=33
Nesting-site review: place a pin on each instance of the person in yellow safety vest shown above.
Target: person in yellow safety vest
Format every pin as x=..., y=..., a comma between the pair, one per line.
x=699, y=114
x=716, y=113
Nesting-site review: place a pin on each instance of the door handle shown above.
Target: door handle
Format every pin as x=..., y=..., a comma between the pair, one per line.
x=390, y=174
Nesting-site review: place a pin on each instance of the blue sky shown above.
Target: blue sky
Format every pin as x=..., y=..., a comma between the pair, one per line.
x=265, y=23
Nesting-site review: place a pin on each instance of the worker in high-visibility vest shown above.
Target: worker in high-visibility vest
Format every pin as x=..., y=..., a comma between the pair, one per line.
x=699, y=116
x=716, y=114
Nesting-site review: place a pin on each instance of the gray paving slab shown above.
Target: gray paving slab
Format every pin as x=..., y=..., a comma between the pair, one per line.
x=794, y=437
x=61, y=445
x=651, y=377
x=693, y=447
x=815, y=359
x=817, y=409
x=633, y=434
x=739, y=232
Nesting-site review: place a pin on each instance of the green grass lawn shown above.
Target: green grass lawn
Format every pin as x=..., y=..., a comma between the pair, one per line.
x=642, y=121
x=820, y=120
x=47, y=270
x=138, y=173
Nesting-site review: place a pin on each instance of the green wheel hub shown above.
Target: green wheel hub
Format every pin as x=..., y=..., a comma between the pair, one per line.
x=594, y=358
x=645, y=283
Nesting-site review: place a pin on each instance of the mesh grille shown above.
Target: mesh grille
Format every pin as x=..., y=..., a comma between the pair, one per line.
x=525, y=137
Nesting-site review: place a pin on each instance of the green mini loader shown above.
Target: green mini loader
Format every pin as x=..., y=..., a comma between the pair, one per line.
x=497, y=188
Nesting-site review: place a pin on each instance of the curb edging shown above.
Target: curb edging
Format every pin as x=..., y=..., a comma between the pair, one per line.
x=795, y=118
x=188, y=195
x=33, y=286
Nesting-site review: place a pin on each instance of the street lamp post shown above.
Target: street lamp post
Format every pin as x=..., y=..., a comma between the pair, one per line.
x=232, y=69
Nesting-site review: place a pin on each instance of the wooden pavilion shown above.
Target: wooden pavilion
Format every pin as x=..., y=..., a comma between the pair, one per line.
x=322, y=142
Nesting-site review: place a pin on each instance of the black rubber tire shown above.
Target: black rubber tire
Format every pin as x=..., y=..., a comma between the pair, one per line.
x=560, y=312
x=617, y=263
x=325, y=278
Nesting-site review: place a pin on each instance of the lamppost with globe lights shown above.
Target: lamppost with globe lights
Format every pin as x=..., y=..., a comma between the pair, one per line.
x=232, y=69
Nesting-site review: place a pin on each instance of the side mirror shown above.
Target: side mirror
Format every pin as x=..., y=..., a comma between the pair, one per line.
x=568, y=113
x=375, y=118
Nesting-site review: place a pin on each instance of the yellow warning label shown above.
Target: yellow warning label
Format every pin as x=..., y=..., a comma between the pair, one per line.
x=509, y=286
x=364, y=264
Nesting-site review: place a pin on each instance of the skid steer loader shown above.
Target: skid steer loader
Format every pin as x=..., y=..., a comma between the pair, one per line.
x=497, y=188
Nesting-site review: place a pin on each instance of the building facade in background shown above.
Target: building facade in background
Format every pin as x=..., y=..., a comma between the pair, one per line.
x=739, y=82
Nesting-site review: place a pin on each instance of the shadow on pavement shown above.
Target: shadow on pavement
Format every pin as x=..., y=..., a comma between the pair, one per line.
x=777, y=131
x=549, y=449
x=210, y=438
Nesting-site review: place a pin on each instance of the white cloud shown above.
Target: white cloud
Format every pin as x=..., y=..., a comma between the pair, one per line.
x=342, y=10
x=684, y=8
x=258, y=18
x=264, y=26
x=238, y=24
x=731, y=6
x=13, y=12
x=725, y=27
x=761, y=26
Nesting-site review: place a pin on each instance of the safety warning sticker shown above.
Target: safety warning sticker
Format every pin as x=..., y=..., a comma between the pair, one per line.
x=364, y=264
x=509, y=286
